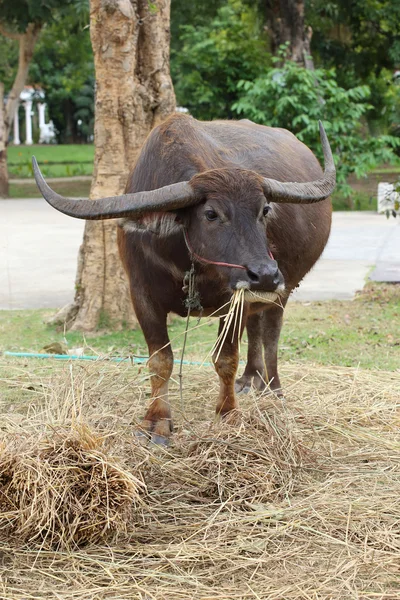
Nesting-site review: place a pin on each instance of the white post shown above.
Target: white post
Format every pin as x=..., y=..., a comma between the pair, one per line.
x=28, y=122
x=17, y=141
x=42, y=110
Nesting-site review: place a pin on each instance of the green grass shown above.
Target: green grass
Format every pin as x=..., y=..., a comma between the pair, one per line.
x=361, y=332
x=53, y=153
x=388, y=169
x=57, y=170
x=54, y=160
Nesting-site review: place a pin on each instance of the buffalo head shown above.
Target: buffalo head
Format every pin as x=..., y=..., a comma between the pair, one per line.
x=230, y=236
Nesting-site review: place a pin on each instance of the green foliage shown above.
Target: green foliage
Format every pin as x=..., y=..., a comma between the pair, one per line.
x=361, y=36
x=8, y=61
x=196, y=13
x=63, y=66
x=84, y=103
x=19, y=13
x=293, y=97
x=385, y=99
x=214, y=56
x=362, y=40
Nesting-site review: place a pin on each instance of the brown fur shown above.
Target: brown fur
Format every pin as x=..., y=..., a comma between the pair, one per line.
x=224, y=162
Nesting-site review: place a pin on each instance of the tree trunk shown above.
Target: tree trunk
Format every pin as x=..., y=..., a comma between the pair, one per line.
x=3, y=148
x=27, y=43
x=134, y=92
x=285, y=23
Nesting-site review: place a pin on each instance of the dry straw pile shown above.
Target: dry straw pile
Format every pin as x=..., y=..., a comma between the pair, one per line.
x=63, y=490
x=292, y=499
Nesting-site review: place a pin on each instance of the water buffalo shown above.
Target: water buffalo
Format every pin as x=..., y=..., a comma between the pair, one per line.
x=249, y=206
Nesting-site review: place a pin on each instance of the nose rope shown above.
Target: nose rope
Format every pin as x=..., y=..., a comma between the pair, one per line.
x=206, y=261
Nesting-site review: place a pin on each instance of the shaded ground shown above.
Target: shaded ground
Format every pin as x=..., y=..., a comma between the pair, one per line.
x=76, y=188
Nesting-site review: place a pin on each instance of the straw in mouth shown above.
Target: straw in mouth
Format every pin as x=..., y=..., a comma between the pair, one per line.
x=265, y=297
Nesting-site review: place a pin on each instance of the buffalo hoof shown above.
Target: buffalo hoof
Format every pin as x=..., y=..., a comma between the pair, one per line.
x=244, y=384
x=258, y=384
x=160, y=440
x=155, y=432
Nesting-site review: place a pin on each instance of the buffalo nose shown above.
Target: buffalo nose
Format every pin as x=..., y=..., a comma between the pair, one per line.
x=265, y=277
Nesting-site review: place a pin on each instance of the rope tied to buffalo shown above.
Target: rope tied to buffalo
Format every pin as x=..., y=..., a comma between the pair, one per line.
x=207, y=261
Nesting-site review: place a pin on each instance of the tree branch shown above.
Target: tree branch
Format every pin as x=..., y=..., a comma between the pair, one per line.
x=27, y=43
x=10, y=34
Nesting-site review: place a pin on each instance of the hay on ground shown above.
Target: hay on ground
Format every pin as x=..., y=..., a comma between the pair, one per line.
x=297, y=500
x=253, y=455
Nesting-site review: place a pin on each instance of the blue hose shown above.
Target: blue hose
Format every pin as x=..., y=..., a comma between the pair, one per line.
x=134, y=359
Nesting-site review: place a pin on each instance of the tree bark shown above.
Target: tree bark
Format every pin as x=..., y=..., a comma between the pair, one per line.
x=27, y=43
x=3, y=148
x=134, y=92
x=285, y=24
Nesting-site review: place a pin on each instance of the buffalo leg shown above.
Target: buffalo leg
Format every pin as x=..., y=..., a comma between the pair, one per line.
x=263, y=331
x=271, y=331
x=157, y=420
x=226, y=367
x=254, y=373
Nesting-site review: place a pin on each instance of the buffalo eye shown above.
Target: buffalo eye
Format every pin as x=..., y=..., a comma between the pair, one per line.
x=266, y=209
x=211, y=215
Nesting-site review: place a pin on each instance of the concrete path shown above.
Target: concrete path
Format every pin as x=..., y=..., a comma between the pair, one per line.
x=358, y=242
x=38, y=254
x=39, y=248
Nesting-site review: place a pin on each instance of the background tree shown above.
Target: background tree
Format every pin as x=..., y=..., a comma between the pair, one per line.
x=21, y=21
x=286, y=26
x=130, y=40
x=362, y=40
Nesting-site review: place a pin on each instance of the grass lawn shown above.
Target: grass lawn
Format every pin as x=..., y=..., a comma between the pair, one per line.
x=363, y=332
x=59, y=153
x=54, y=160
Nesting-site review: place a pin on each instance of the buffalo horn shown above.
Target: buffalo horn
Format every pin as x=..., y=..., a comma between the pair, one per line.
x=310, y=191
x=170, y=197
